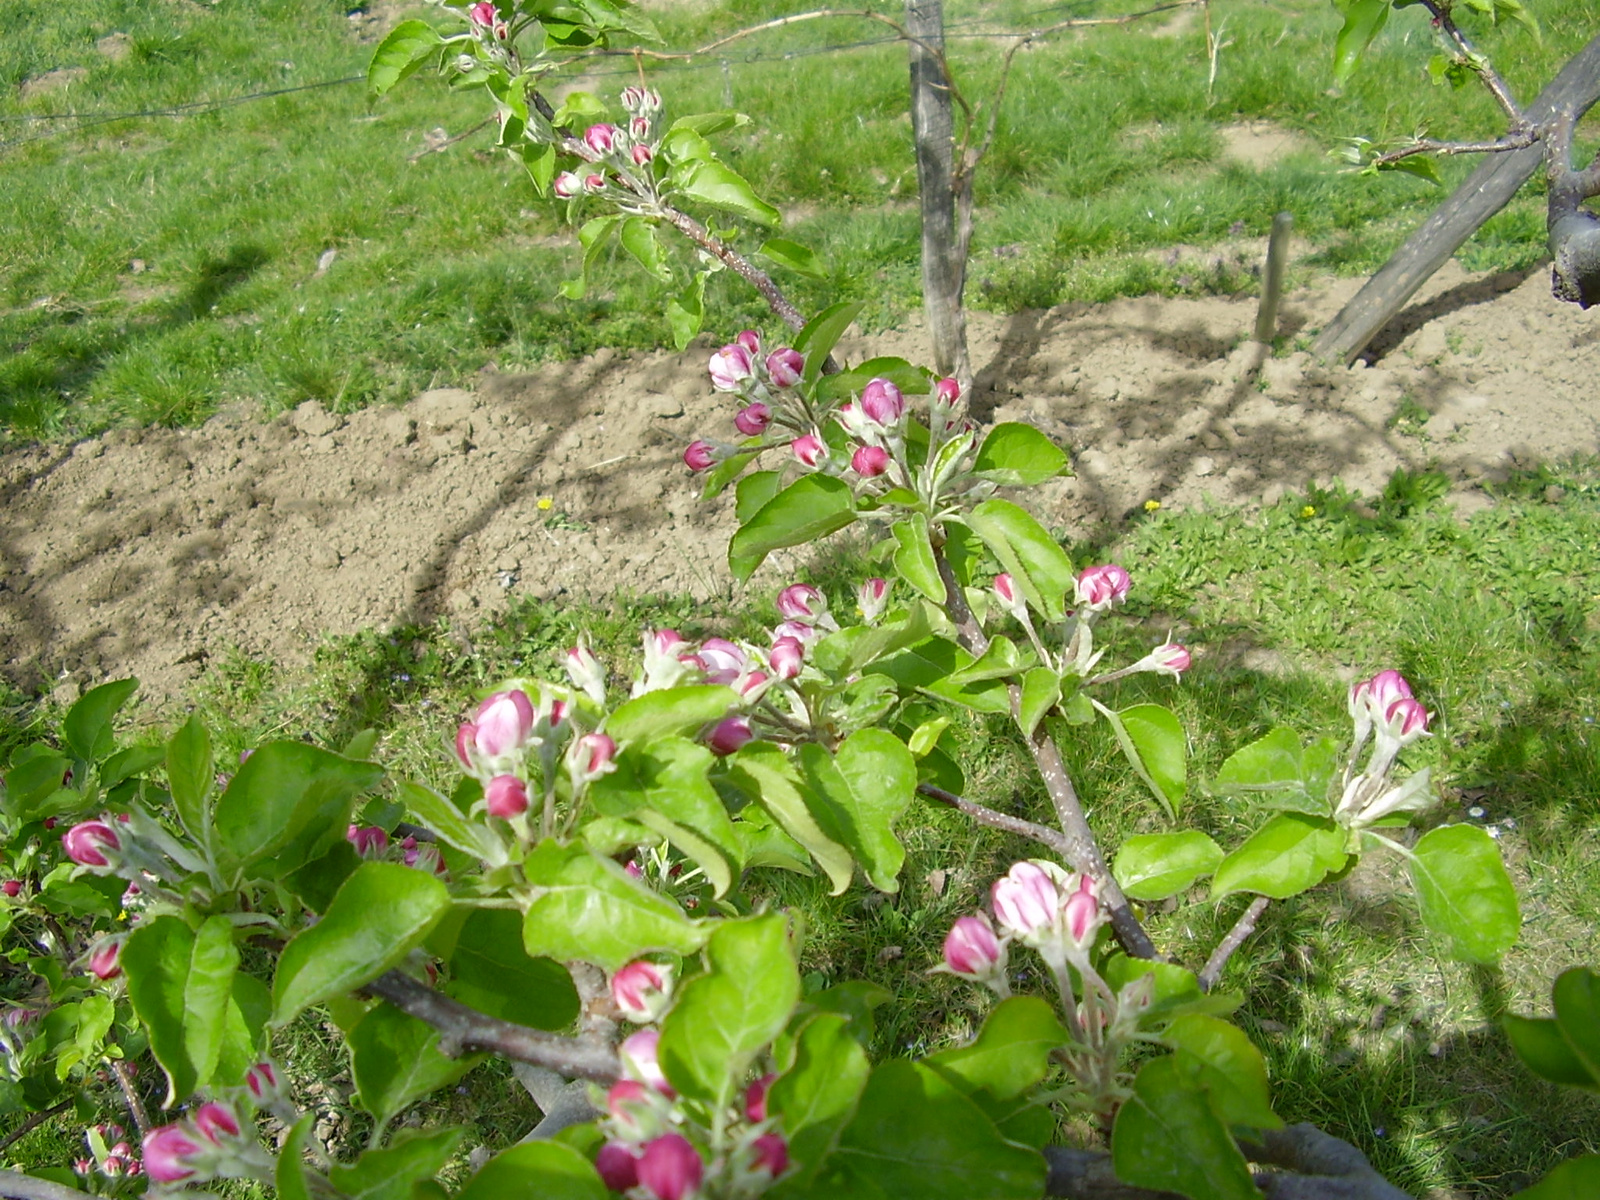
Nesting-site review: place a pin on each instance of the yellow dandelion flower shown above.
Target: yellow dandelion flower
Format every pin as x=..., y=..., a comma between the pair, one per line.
x=1151, y=505
x=1307, y=512
x=546, y=503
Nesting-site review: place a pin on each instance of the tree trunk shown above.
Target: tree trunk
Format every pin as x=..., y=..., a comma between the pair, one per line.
x=943, y=264
x=1486, y=191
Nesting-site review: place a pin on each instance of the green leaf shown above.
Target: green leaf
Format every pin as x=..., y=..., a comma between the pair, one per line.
x=1011, y=1052
x=400, y=54
x=490, y=971
x=844, y=653
x=1169, y=1137
x=1419, y=165
x=594, y=237
x=1577, y=1004
x=1575, y=1179
x=726, y=471
x=447, y=822
x=1465, y=895
x=1514, y=10
x=763, y=771
x=242, y=1030
x=395, y=1059
x=1540, y=1045
x=794, y=256
x=719, y=186
x=283, y=791
x=1153, y=866
x=913, y=557
x=1153, y=742
x=1014, y=455
x=1288, y=855
x=1363, y=21
x=816, y=1097
x=180, y=985
x=1277, y=768
x=909, y=378
x=1217, y=1056
x=129, y=762
x=821, y=334
x=638, y=238
x=191, y=771
x=808, y=510
x=291, y=1176
x=415, y=1156
x=1031, y=556
x=708, y=123
x=858, y=792
x=540, y=163
x=663, y=785
x=535, y=1171
x=722, y=1019
x=591, y=910
x=87, y=726
x=1176, y=990
x=381, y=913
x=914, y=1135
x=1041, y=691
x=753, y=492
x=670, y=711
x=686, y=311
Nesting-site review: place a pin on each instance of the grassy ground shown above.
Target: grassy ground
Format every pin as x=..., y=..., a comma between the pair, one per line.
x=154, y=269
x=1496, y=619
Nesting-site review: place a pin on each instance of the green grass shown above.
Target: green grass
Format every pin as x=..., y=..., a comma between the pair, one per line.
x=155, y=270
x=1495, y=619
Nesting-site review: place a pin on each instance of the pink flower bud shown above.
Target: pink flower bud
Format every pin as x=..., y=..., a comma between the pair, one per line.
x=971, y=948
x=869, y=461
x=617, y=1167
x=753, y=419
x=83, y=1165
x=872, y=596
x=755, y=1099
x=1006, y=588
x=751, y=341
x=1081, y=913
x=104, y=961
x=1407, y=719
x=506, y=797
x=723, y=661
x=882, y=402
x=786, y=656
x=1169, y=659
x=504, y=723
x=947, y=392
x=670, y=1168
x=596, y=750
x=594, y=183
x=112, y=1167
x=729, y=734
x=1386, y=687
x=785, y=367
x=801, y=602
x=1024, y=900
x=558, y=712
x=798, y=630
x=641, y=155
x=91, y=843
x=586, y=673
x=668, y=641
x=12, y=888
x=771, y=1154
x=730, y=368
x=369, y=840
x=215, y=1122
x=262, y=1081
x=632, y=98
x=753, y=683
x=483, y=14
x=640, y=1062
x=623, y=1097
x=169, y=1153
x=566, y=185
x=466, y=738
x=600, y=138
x=1099, y=588
x=640, y=128
x=642, y=990
x=809, y=449
x=700, y=456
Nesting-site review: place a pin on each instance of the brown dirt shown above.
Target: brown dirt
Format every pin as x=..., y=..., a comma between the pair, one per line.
x=146, y=551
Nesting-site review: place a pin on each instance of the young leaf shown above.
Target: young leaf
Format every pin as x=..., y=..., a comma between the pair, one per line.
x=191, y=772
x=87, y=725
x=180, y=985
x=762, y=770
x=1464, y=893
x=1153, y=866
x=1288, y=855
x=722, y=1019
x=1032, y=557
x=1154, y=743
x=687, y=311
x=284, y=790
x=1419, y=165
x=1540, y=1045
x=639, y=239
x=1010, y=1054
x=414, y=1156
x=1218, y=1057
x=292, y=1176
x=1019, y=455
x=857, y=793
x=1577, y=1004
x=1170, y=1137
x=591, y=910
x=490, y=971
x=913, y=557
x=1576, y=1179
x=794, y=256
x=817, y=340
x=400, y=54
x=594, y=237
x=381, y=913
x=395, y=1059
x=1363, y=21
x=670, y=711
x=816, y=1096
x=448, y=822
x=718, y=186
x=808, y=510
x=1041, y=691
x=535, y=1171
x=1278, y=769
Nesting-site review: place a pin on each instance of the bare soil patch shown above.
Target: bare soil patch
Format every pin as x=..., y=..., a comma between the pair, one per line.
x=146, y=551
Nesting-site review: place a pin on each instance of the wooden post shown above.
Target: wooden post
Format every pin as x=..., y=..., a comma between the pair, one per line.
x=1272, y=280
x=1486, y=191
x=932, y=126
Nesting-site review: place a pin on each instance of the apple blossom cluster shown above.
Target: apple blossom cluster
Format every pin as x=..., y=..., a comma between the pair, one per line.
x=619, y=168
x=1383, y=709
x=110, y=1154
x=659, y=1147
